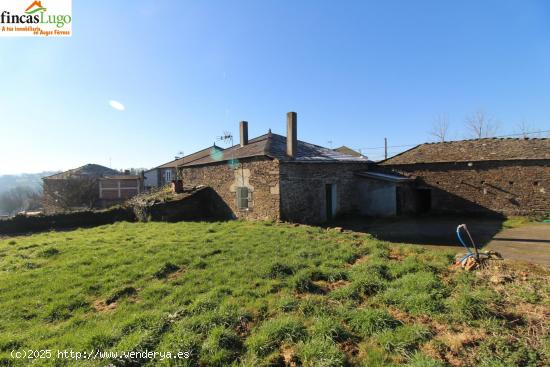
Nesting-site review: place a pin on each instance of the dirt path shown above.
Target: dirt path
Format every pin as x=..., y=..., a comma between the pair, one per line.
x=530, y=243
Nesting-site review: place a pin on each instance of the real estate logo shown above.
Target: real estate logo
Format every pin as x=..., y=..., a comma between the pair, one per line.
x=44, y=18
x=35, y=7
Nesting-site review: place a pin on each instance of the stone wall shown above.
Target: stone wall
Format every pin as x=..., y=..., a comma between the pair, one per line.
x=497, y=187
x=303, y=197
x=260, y=175
x=202, y=204
x=86, y=218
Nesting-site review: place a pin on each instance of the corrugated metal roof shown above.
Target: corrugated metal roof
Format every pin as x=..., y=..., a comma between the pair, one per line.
x=384, y=176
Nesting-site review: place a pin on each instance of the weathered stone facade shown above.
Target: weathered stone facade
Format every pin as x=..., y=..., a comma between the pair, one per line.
x=303, y=189
x=280, y=190
x=513, y=187
x=260, y=175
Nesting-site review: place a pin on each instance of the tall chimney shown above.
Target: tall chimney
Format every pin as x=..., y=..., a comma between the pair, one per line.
x=244, y=133
x=291, y=134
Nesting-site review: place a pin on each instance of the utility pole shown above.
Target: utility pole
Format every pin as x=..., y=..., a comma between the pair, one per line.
x=385, y=148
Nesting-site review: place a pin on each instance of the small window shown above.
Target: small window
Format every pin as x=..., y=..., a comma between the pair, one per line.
x=511, y=183
x=536, y=183
x=168, y=175
x=243, y=197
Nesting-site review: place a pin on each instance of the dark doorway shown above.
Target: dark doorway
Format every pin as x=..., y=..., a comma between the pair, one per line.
x=398, y=200
x=423, y=200
x=329, y=195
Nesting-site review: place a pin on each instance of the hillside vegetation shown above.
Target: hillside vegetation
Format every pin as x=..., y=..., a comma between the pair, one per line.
x=262, y=294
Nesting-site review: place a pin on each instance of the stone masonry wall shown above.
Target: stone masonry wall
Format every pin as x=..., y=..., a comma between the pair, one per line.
x=303, y=189
x=260, y=175
x=498, y=187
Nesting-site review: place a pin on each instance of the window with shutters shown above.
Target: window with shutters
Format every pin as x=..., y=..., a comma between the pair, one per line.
x=243, y=197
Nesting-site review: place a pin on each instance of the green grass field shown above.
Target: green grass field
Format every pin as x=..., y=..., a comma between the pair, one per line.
x=262, y=294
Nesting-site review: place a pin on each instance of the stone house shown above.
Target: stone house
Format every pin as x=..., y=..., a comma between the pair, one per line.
x=280, y=177
x=165, y=173
x=489, y=176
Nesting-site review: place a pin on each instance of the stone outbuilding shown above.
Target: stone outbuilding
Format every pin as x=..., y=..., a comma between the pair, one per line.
x=487, y=176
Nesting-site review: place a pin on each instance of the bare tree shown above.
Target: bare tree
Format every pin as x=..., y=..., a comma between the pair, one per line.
x=71, y=192
x=440, y=128
x=527, y=130
x=480, y=126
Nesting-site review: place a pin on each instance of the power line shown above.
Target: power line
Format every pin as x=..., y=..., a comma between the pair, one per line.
x=497, y=136
x=521, y=134
x=391, y=146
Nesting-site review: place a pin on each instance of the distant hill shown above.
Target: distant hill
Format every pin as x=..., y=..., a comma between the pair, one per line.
x=32, y=180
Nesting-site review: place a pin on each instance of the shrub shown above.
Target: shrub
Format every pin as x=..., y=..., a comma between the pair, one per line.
x=403, y=340
x=369, y=321
x=320, y=353
x=272, y=333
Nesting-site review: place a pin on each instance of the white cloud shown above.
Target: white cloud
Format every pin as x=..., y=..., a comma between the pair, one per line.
x=116, y=105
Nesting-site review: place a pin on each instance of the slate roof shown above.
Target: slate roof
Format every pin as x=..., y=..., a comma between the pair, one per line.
x=490, y=149
x=347, y=150
x=274, y=146
x=191, y=157
x=94, y=170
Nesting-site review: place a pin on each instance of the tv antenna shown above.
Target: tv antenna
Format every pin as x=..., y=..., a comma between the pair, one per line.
x=226, y=137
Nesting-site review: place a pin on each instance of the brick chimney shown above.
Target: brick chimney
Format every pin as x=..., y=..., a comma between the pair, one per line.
x=291, y=134
x=244, y=133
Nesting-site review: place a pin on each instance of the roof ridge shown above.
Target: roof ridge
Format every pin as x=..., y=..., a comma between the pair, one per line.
x=496, y=138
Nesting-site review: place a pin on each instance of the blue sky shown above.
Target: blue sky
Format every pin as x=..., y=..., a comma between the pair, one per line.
x=355, y=71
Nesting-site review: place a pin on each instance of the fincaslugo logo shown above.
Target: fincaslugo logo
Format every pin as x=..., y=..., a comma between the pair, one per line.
x=44, y=18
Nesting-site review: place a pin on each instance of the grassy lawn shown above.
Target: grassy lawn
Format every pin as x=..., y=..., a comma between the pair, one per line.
x=263, y=294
